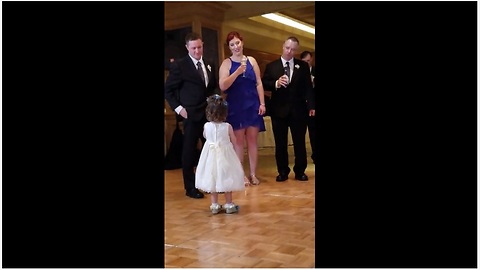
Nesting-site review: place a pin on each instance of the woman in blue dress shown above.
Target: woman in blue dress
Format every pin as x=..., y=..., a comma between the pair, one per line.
x=239, y=79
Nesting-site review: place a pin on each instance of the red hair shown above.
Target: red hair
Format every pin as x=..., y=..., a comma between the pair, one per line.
x=232, y=35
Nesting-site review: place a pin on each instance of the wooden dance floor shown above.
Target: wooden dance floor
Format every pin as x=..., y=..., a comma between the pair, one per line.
x=274, y=228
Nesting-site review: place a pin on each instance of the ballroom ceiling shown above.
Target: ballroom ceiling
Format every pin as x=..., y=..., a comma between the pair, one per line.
x=302, y=11
x=259, y=33
x=263, y=34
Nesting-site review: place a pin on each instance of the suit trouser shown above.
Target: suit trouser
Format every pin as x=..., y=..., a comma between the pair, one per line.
x=298, y=129
x=192, y=131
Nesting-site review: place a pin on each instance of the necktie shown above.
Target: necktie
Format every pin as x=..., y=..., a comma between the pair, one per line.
x=200, y=71
x=287, y=70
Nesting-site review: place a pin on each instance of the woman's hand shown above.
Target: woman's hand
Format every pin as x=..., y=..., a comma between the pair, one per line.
x=262, y=109
x=241, y=69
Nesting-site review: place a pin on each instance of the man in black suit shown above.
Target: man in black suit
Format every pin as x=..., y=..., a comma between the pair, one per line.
x=307, y=57
x=291, y=103
x=190, y=81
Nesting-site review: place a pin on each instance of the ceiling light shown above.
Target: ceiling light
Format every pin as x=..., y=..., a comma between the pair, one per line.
x=290, y=22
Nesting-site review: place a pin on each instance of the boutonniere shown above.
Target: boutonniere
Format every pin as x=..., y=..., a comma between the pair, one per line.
x=297, y=66
x=209, y=68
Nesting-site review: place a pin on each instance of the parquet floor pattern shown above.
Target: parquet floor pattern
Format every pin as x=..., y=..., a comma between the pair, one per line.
x=274, y=228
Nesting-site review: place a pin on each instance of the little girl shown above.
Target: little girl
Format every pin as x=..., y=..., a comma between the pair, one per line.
x=219, y=169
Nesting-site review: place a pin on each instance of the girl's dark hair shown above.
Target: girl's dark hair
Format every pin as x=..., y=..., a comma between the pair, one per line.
x=217, y=109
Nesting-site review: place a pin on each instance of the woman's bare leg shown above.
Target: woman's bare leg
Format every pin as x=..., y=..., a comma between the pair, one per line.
x=252, y=146
x=239, y=146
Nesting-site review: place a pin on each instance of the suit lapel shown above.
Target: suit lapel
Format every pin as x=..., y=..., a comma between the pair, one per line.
x=295, y=70
x=280, y=67
x=209, y=72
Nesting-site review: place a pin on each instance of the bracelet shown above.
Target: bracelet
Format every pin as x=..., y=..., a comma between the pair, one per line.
x=262, y=104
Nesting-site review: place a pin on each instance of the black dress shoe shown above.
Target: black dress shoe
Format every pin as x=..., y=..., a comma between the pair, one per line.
x=301, y=177
x=282, y=177
x=194, y=193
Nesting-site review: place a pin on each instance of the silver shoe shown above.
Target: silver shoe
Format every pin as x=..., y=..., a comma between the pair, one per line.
x=215, y=208
x=231, y=208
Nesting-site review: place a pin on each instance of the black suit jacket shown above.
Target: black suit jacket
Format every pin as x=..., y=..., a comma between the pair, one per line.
x=297, y=98
x=185, y=87
x=312, y=72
